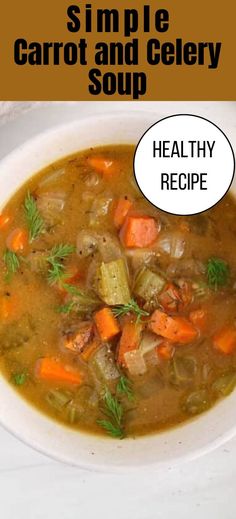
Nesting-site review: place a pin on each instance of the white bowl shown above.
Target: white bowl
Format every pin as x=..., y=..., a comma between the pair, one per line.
x=179, y=444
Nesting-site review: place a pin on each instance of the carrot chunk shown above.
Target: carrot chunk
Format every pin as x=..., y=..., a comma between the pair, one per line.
x=7, y=307
x=4, y=220
x=176, y=329
x=165, y=350
x=51, y=370
x=102, y=164
x=90, y=350
x=130, y=340
x=107, y=324
x=17, y=240
x=225, y=340
x=198, y=318
x=170, y=298
x=121, y=210
x=139, y=231
x=77, y=341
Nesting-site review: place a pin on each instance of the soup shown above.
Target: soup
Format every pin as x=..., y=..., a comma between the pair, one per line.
x=115, y=318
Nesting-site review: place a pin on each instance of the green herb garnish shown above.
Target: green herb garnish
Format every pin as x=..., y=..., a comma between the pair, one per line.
x=12, y=263
x=55, y=258
x=114, y=412
x=67, y=308
x=124, y=387
x=217, y=273
x=34, y=219
x=133, y=307
x=19, y=378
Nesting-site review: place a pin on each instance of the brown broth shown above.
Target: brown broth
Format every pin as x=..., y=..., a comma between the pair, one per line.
x=35, y=328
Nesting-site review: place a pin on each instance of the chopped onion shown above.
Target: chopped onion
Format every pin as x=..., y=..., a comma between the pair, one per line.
x=99, y=208
x=107, y=245
x=87, y=242
x=52, y=178
x=135, y=362
x=149, y=342
x=139, y=257
x=50, y=204
x=103, y=365
x=172, y=244
x=186, y=268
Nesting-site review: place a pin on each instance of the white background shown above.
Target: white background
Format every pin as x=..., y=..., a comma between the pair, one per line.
x=33, y=486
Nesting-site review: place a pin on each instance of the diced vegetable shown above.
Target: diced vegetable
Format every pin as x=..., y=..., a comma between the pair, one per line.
x=53, y=177
x=176, y=329
x=51, y=370
x=122, y=208
x=139, y=231
x=17, y=240
x=198, y=318
x=165, y=350
x=76, y=341
x=130, y=340
x=109, y=247
x=170, y=298
x=140, y=257
x=148, y=284
x=112, y=283
x=148, y=342
x=225, y=340
x=107, y=325
x=182, y=370
x=89, y=242
x=99, y=209
x=196, y=402
x=5, y=219
x=50, y=205
x=58, y=399
x=135, y=362
x=90, y=349
x=102, y=164
x=103, y=365
x=172, y=244
x=225, y=384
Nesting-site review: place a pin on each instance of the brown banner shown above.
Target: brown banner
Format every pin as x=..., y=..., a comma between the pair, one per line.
x=173, y=50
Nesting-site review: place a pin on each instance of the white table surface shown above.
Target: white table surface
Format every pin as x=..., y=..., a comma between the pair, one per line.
x=34, y=486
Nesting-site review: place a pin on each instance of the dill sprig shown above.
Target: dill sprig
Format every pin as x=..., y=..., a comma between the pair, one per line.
x=217, y=273
x=12, y=263
x=125, y=387
x=55, y=259
x=67, y=307
x=34, y=219
x=133, y=307
x=114, y=412
x=20, y=378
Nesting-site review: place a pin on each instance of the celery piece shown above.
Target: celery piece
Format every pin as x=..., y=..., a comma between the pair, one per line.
x=148, y=284
x=58, y=399
x=112, y=283
x=225, y=384
x=103, y=366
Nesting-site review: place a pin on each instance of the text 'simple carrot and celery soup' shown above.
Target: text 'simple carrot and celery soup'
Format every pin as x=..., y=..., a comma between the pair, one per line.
x=115, y=318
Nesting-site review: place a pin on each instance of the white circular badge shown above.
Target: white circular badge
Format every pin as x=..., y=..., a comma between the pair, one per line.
x=184, y=164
